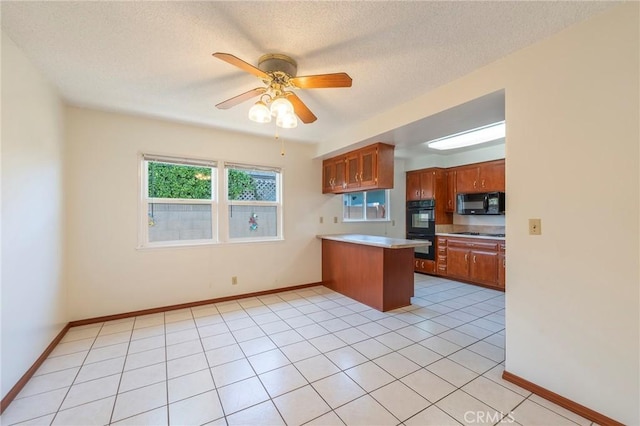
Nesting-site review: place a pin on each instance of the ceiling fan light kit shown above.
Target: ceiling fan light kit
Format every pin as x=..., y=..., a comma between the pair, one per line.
x=278, y=72
x=260, y=113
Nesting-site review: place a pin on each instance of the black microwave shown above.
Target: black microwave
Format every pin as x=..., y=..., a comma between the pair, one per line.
x=482, y=203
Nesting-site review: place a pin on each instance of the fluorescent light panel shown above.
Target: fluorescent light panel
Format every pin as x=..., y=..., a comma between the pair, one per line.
x=476, y=136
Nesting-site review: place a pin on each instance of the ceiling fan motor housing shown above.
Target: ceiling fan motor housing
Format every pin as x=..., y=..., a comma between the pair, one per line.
x=272, y=62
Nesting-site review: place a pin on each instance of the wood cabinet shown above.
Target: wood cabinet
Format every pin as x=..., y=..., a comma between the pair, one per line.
x=502, y=266
x=333, y=175
x=421, y=184
x=441, y=256
x=481, y=177
x=450, y=207
x=474, y=260
x=427, y=184
x=424, y=266
x=364, y=169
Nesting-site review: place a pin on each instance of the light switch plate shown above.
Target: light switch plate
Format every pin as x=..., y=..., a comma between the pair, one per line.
x=535, y=227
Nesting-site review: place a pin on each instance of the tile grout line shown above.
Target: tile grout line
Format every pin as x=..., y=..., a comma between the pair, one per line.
x=77, y=374
x=115, y=401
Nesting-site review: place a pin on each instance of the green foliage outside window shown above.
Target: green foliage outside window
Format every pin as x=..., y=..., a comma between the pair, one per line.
x=189, y=182
x=178, y=181
x=239, y=183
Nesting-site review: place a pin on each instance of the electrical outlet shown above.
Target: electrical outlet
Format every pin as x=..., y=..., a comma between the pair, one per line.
x=535, y=227
x=335, y=219
x=321, y=219
x=234, y=280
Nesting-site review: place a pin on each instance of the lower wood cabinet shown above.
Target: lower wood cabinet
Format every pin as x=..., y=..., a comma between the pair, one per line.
x=424, y=266
x=502, y=266
x=474, y=260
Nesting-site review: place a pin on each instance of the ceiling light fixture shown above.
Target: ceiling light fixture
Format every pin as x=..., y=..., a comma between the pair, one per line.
x=475, y=136
x=280, y=107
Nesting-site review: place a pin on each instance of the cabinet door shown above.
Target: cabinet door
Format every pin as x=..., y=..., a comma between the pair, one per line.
x=484, y=267
x=339, y=169
x=457, y=262
x=451, y=192
x=352, y=164
x=427, y=181
x=413, y=186
x=368, y=167
x=327, y=176
x=467, y=180
x=502, y=270
x=492, y=177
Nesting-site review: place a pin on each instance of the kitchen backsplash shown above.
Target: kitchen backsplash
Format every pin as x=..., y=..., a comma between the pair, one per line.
x=467, y=223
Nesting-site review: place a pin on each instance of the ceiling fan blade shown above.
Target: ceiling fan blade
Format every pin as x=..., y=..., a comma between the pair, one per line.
x=301, y=109
x=231, y=102
x=245, y=66
x=339, y=79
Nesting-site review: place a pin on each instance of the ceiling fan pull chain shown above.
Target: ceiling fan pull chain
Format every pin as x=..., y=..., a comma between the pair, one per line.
x=277, y=137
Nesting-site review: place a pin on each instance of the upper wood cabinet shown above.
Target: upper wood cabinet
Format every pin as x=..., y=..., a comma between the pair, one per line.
x=364, y=169
x=421, y=184
x=450, y=207
x=333, y=174
x=482, y=177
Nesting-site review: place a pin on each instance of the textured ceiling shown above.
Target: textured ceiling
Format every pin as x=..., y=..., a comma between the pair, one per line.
x=154, y=58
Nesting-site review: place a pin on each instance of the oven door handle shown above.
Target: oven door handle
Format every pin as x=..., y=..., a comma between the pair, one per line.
x=485, y=203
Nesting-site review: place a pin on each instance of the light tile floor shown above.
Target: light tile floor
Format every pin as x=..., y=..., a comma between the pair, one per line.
x=310, y=356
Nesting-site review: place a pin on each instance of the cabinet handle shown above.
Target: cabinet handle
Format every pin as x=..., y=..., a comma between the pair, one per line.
x=504, y=263
x=466, y=257
x=474, y=259
x=474, y=183
x=356, y=177
x=422, y=264
x=483, y=183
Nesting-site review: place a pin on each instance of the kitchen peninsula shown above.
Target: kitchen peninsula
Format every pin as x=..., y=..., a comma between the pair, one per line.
x=377, y=271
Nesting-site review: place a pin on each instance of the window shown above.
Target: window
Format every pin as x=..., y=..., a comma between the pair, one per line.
x=178, y=201
x=253, y=202
x=180, y=205
x=366, y=206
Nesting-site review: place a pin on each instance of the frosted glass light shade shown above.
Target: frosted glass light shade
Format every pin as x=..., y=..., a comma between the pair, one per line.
x=287, y=120
x=260, y=113
x=281, y=106
x=471, y=137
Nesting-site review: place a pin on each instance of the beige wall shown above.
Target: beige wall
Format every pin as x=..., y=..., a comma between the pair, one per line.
x=572, y=113
x=33, y=294
x=107, y=274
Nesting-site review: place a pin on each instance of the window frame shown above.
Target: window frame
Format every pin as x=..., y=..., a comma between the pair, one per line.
x=145, y=200
x=387, y=218
x=219, y=202
x=225, y=202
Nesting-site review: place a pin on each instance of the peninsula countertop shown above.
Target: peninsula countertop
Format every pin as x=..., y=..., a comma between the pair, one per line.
x=375, y=241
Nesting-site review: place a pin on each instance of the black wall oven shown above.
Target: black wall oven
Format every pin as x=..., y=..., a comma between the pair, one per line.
x=421, y=217
x=421, y=225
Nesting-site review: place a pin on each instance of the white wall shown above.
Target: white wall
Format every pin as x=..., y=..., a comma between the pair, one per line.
x=572, y=151
x=108, y=275
x=33, y=294
x=478, y=155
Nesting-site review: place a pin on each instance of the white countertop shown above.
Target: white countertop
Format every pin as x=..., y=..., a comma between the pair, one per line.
x=484, y=237
x=376, y=241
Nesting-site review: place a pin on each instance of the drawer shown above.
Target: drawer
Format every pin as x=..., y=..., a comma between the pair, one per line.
x=473, y=243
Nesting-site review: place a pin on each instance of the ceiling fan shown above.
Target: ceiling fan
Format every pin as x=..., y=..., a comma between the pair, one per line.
x=278, y=73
